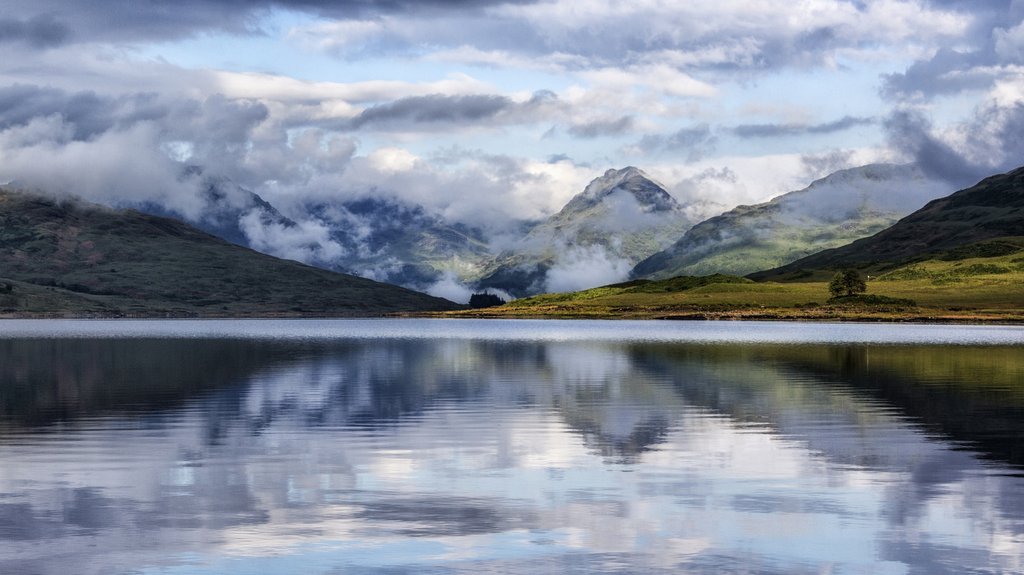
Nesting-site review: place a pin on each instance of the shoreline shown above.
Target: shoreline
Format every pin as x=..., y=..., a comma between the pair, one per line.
x=810, y=315
x=1015, y=317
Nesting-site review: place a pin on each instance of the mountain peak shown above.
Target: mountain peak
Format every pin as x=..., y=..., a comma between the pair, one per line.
x=624, y=173
x=631, y=180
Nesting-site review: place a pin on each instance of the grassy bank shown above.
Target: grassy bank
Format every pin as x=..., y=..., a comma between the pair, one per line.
x=971, y=289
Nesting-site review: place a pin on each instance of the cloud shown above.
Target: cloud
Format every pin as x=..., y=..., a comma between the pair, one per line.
x=599, y=128
x=40, y=31
x=431, y=109
x=340, y=96
x=124, y=149
x=695, y=141
x=307, y=241
x=947, y=72
x=450, y=288
x=782, y=130
x=988, y=49
x=505, y=189
x=85, y=113
x=1009, y=43
x=585, y=267
x=819, y=165
x=41, y=154
x=911, y=133
x=476, y=110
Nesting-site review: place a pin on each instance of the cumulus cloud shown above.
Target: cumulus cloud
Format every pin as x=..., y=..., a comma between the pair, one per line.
x=988, y=49
x=42, y=154
x=947, y=72
x=988, y=142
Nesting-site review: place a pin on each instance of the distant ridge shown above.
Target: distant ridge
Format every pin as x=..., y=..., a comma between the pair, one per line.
x=993, y=208
x=831, y=212
x=69, y=256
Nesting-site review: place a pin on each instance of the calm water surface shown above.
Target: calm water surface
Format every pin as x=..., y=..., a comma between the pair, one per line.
x=437, y=447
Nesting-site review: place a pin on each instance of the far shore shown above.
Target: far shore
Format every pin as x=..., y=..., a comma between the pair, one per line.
x=1015, y=317
x=556, y=312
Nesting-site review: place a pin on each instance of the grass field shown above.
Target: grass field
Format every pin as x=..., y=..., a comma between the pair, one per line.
x=961, y=289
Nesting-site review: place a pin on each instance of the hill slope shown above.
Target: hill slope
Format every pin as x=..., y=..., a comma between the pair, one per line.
x=831, y=212
x=992, y=208
x=398, y=242
x=378, y=237
x=94, y=259
x=619, y=219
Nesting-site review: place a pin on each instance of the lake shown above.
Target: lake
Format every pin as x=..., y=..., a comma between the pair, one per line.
x=476, y=446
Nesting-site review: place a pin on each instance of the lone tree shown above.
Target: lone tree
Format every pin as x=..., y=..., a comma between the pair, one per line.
x=847, y=283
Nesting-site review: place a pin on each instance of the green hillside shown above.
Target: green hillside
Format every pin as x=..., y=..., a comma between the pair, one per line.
x=994, y=208
x=71, y=257
x=831, y=212
x=973, y=283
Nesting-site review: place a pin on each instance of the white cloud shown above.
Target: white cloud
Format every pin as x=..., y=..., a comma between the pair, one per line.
x=579, y=268
x=40, y=155
x=306, y=241
x=1009, y=43
x=657, y=78
x=339, y=94
x=450, y=288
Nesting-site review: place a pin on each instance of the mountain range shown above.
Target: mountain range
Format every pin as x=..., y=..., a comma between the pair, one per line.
x=72, y=256
x=993, y=208
x=622, y=224
x=833, y=211
x=377, y=237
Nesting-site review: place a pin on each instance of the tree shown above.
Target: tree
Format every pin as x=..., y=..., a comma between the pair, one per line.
x=479, y=300
x=848, y=283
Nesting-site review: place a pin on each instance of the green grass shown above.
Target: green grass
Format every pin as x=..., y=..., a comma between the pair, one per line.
x=879, y=301
x=983, y=288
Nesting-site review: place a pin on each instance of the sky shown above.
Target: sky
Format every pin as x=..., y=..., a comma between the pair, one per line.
x=486, y=112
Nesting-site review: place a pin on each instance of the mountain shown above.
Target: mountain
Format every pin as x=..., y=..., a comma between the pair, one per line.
x=619, y=219
x=833, y=211
x=377, y=237
x=89, y=258
x=993, y=208
x=227, y=210
x=390, y=240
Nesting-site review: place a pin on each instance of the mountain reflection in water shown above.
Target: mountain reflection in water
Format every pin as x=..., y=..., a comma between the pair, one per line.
x=235, y=455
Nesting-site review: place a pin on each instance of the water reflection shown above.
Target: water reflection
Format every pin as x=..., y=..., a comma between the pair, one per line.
x=451, y=456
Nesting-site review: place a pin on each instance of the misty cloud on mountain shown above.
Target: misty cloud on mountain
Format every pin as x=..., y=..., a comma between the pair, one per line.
x=844, y=206
x=817, y=166
x=582, y=267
